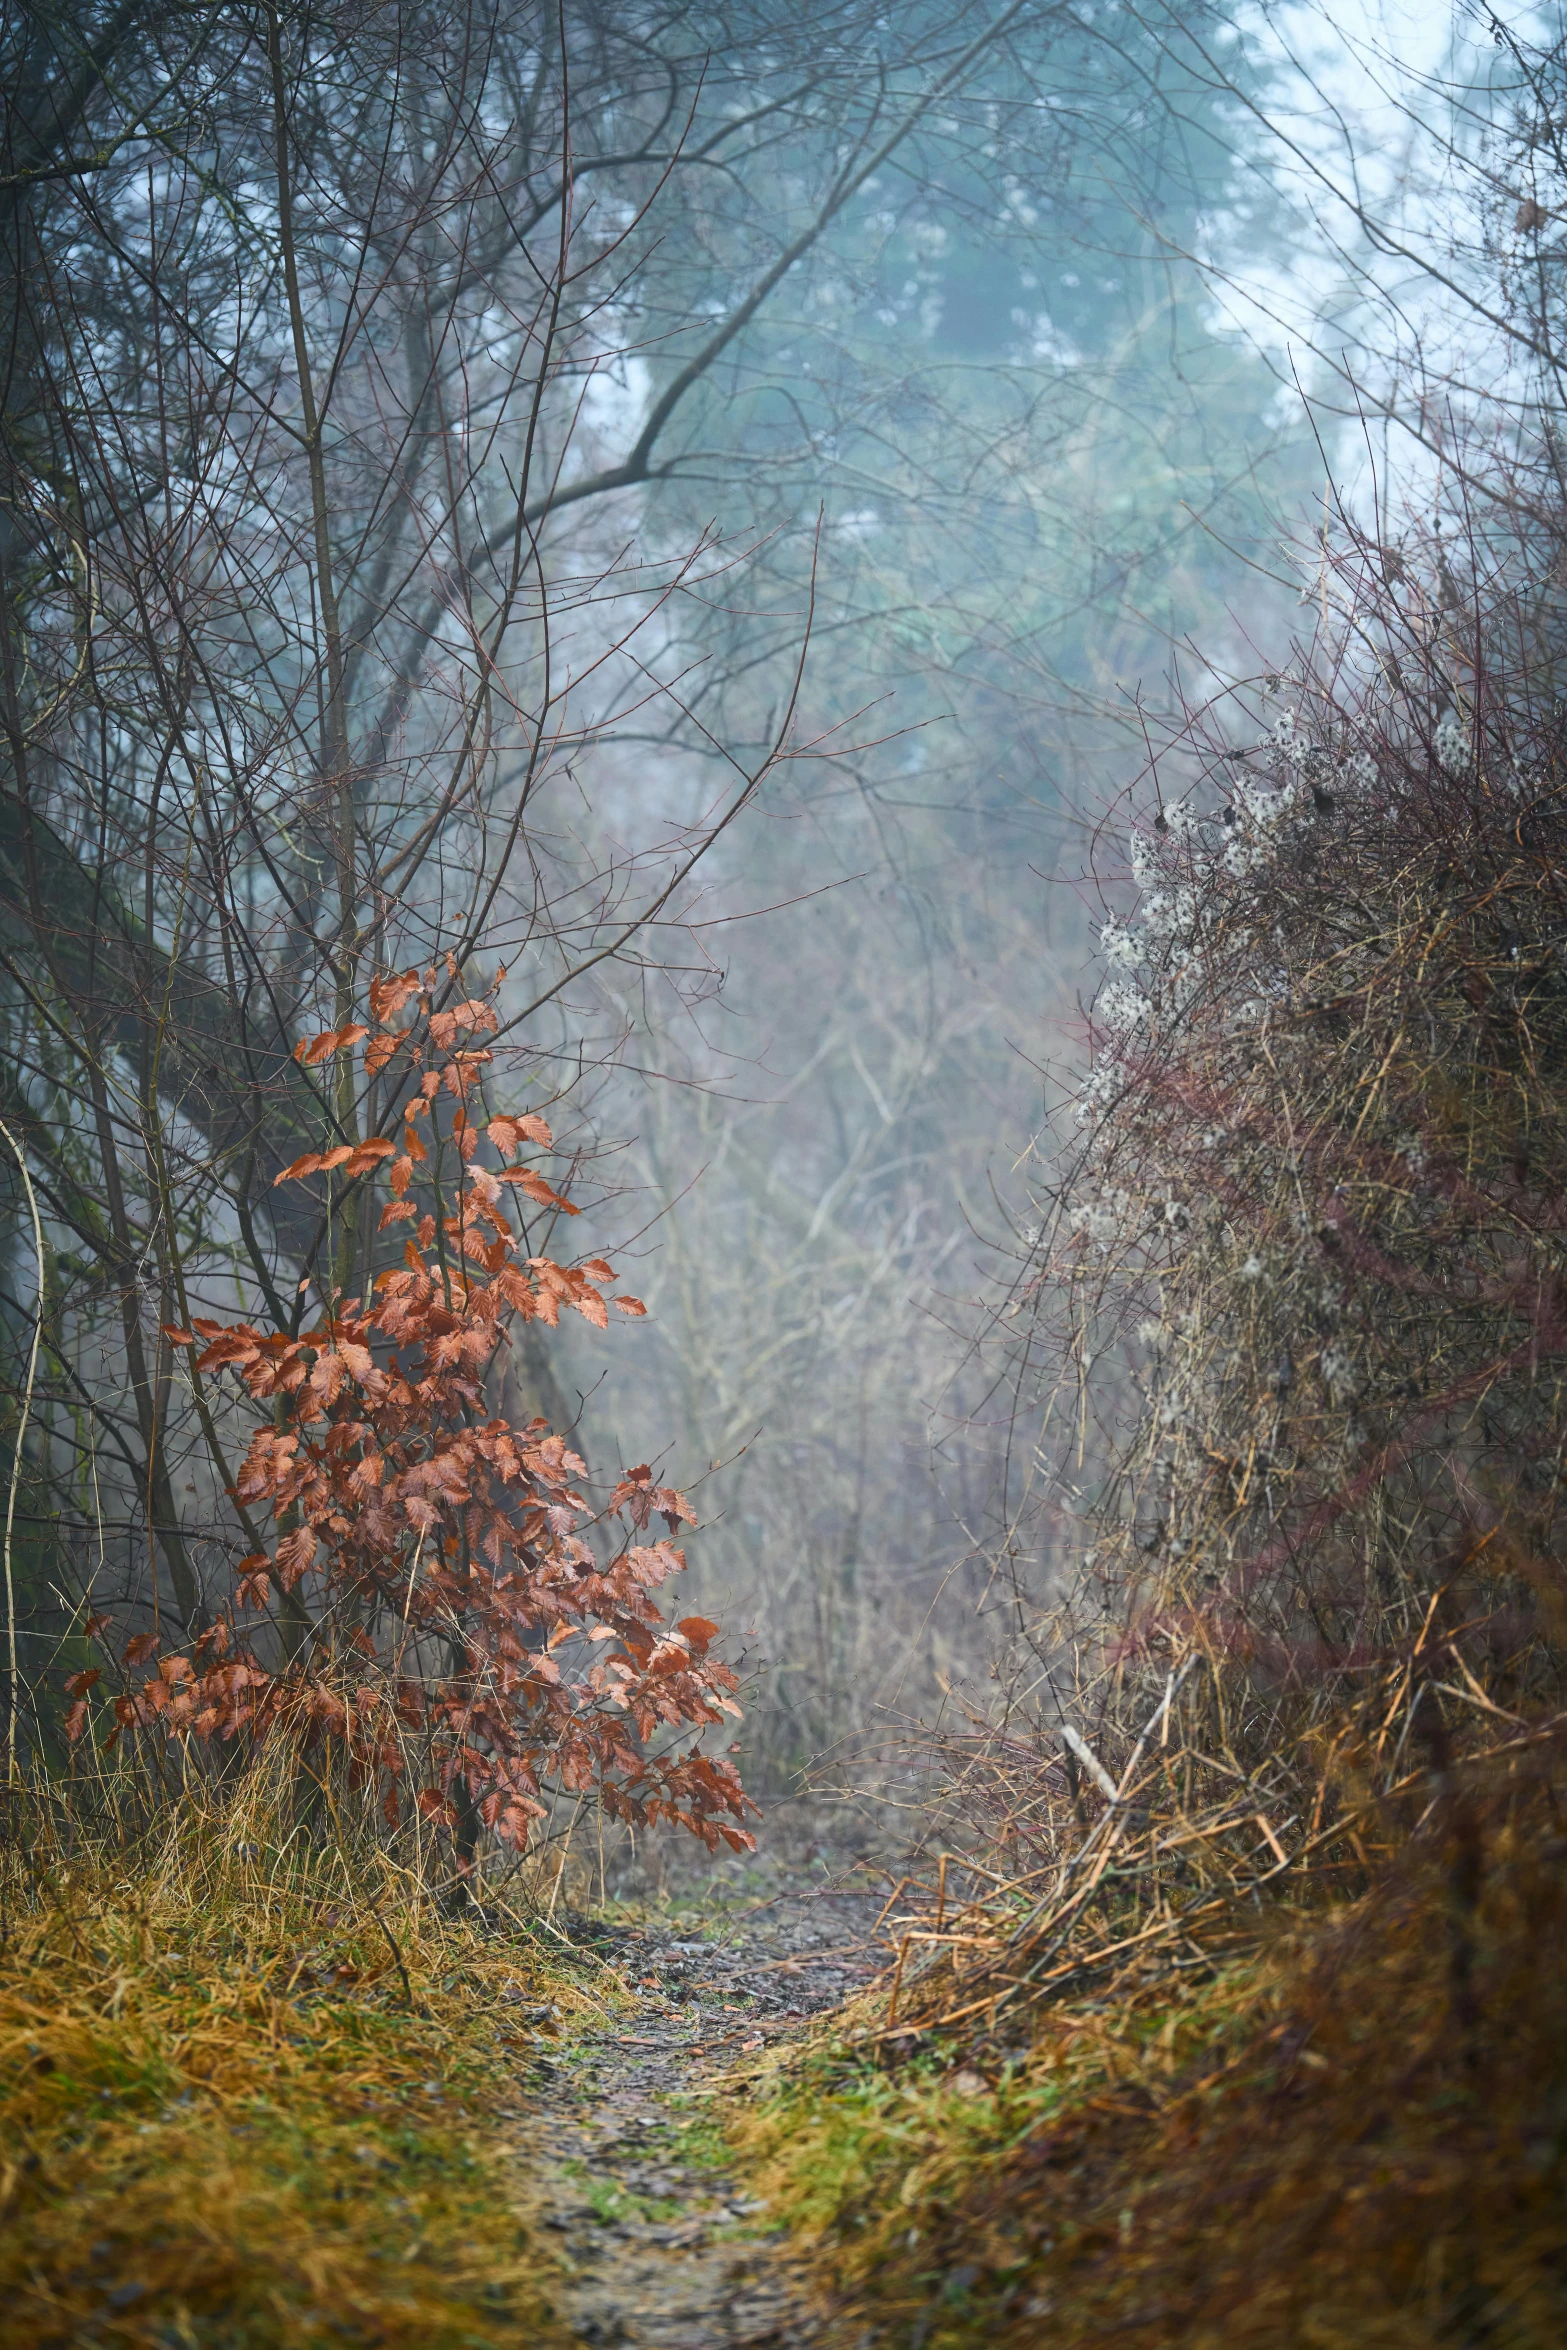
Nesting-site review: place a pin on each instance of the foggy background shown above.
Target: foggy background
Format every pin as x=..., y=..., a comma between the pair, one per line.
x=1043, y=468
x=912, y=409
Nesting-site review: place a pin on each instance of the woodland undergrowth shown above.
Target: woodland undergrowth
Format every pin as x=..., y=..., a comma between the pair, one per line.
x=1309, y=2134
x=1225, y=1998
x=254, y=2083
x=1226, y=2003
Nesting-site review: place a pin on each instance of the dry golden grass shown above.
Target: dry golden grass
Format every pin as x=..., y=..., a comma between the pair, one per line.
x=232, y=2114
x=1353, y=2131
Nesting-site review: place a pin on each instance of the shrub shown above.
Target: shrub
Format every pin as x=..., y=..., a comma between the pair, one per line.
x=451, y=1635
x=1315, y=1221
x=1295, y=1323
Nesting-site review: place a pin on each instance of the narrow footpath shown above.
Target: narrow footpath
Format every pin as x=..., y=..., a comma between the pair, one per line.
x=660, y=2248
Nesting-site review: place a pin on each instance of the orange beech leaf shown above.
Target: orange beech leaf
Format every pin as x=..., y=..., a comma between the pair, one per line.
x=509, y=1133
x=239, y=1345
x=379, y=1051
x=517, y=1290
x=536, y=1189
x=655, y=1563
x=629, y=1305
x=462, y=1071
x=141, y=1646
x=389, y=994
x=177, y=1337
x=596, y=1269
x=445, y=1027
x=312, y=1050
x=295, y=1554
x=76, y=1720
x=328, y=1707
x=397, y=1211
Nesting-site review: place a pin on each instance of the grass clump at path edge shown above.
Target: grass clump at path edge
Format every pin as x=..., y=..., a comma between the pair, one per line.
x=252, y=2092
x=1356, y=2131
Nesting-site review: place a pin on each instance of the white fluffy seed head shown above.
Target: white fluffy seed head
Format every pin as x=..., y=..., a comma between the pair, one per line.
x=1452, y=747
x=1121, y=1007
x=1121, y=946
x=1170, y=913
x=1100, y=1087
x=1243, y=857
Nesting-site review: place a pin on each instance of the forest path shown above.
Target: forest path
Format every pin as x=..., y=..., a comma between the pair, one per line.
x=660, y=2248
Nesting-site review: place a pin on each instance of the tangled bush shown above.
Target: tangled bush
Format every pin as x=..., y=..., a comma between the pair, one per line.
x=1317, y=1212
x=1294, y=1324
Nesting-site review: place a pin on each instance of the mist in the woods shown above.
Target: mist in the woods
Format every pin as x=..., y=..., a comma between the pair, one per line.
x=913, y=543
x=775, y=474
x=783, y=1328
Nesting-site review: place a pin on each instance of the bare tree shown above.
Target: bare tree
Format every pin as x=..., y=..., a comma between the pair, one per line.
x=294, y=683
x=372, y=386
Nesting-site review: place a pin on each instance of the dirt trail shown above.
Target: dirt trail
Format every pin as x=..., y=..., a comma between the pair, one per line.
x=660, y=2249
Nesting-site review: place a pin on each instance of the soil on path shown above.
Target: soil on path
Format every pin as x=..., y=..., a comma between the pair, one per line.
x=659, y=2248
